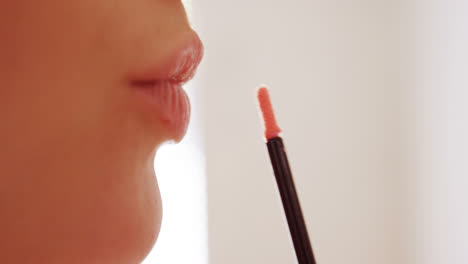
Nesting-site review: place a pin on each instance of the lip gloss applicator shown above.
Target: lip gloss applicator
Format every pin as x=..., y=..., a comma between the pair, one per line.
x=285, y=182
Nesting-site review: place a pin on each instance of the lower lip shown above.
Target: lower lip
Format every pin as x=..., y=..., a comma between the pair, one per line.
x=168, y=104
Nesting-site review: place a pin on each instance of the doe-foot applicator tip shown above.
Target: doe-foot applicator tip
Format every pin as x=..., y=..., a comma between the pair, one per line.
x=271, y=127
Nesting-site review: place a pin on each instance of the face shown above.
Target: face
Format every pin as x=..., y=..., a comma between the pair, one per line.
x=77, y=142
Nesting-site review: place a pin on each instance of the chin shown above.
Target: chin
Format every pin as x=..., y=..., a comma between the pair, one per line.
x=113, y=223
x=126, y=233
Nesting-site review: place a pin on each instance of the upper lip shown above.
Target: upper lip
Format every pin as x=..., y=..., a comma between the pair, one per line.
x=178, y=67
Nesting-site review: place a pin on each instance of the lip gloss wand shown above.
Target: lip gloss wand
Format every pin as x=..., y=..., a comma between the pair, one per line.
x=284, y=180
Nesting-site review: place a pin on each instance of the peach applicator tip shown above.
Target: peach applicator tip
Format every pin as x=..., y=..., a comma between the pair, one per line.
x=272, y=129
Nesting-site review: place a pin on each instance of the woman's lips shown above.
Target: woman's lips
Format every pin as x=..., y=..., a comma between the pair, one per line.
x=168, y=104
x=159, y=87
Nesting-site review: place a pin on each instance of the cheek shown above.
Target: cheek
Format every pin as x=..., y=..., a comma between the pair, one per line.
x=78, y=183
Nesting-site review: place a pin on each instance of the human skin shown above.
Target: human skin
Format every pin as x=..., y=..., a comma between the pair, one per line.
x=77, y=182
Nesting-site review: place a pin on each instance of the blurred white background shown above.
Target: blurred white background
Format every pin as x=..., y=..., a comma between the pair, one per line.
x=372, y=96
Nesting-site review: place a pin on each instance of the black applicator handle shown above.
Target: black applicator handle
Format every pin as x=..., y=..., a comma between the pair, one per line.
x=291, y=205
